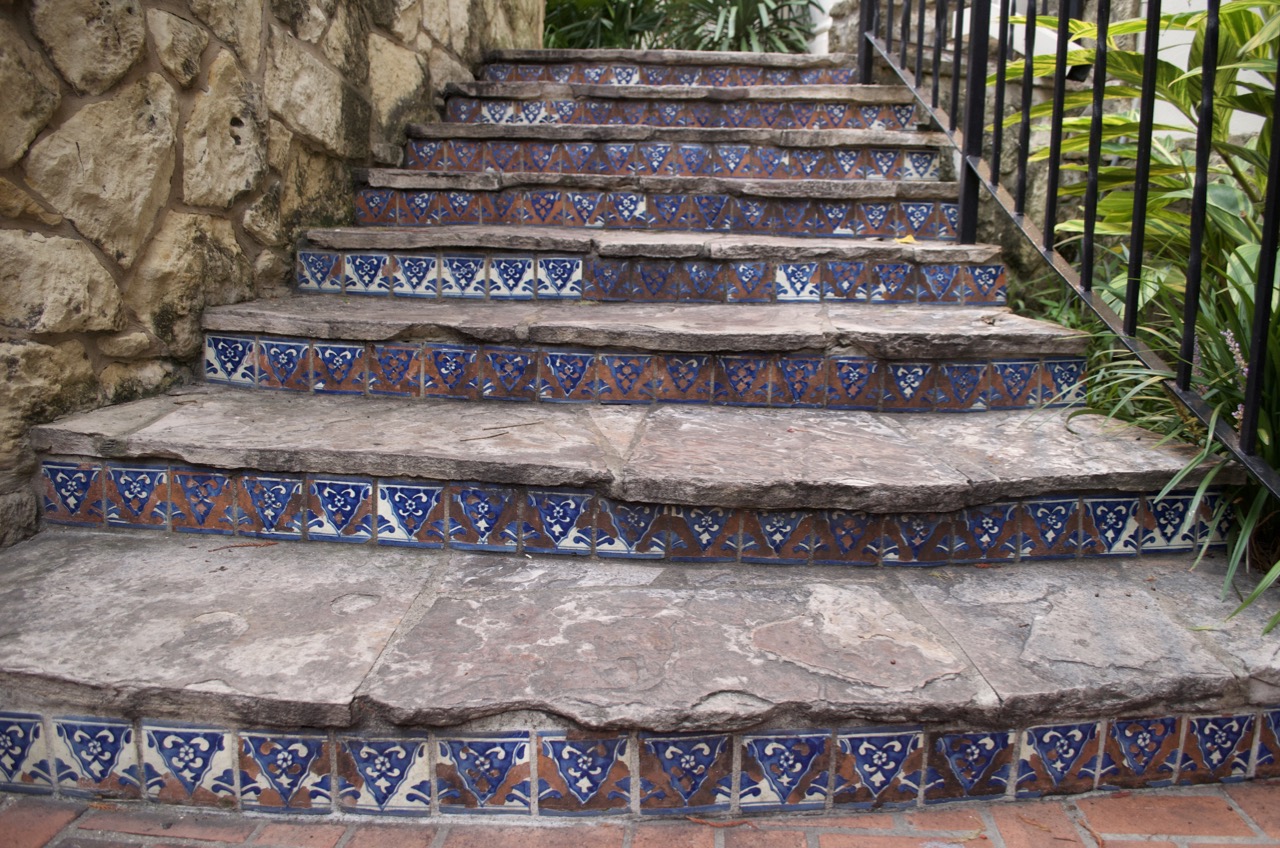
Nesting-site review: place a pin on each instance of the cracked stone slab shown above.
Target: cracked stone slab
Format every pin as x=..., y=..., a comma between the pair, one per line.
x=1086, y=641
x=675, y=57
x=918, y=332
x=860, y=94
x=634, y=655
x=882, y=138
x=127, y=624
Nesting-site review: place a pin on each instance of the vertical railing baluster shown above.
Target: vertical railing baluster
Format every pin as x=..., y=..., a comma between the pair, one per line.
x=888, y=26
x=957, y=61
x=939, y=42
x=866, y=56
x=906, y=33
x=1199, y=196
x=975, y=103
x=920, y=10
x=1146, y=123
x=1024, y=128
x=1002, y=66
x=1055, y=125
x=1088, y=252
x=1262, y=293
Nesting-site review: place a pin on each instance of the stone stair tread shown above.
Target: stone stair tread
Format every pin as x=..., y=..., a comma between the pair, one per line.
x=886, y=332
x=351, y=637
x=852, y=94
x=675, y=57
x=737, y=186
x=672, y=244
x=710, y=135
x=704, y=456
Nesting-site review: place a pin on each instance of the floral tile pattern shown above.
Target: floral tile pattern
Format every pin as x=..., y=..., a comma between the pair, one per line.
x=1140, y=752
x=489, y=774
x=967, y=766
x=1217, y=749
x=285, y=773
x=1060, y=759
x=71, y=492
x=25, y=764
x=582, y=775
x=384, y=776
x=784, y=771
x=95, y=757
x=184, y=764
x=685, y=774
x=878, y=768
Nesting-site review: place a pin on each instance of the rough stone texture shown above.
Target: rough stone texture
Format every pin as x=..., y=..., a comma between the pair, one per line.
x=445, y=68
x=206, y=636
x=237, y=22
x=224, y=143
x=126, y=345
x=398, y=83
x=313, y=99
x=178, y=43
x=307, y=19
x=31, y=92
x=344, y=44
x=92, y=42
x=122, y=382
x=16, y=202
x=272, y=274
x=193, y=261
x=19, y=512
x=407, y=20
x=314, y=188
x=262, y=217
x=40, y=382
x=108, y=167
x=435, y=20
x=55, y=285
x=459, y=24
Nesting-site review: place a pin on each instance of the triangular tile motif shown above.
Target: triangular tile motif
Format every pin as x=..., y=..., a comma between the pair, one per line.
x=284, y=762
x=879, y=759
x=96, y=747
x=687, y=762
x=786, y=762
x=19, y=733
x=970, y=758
x=1140, y=741
x=1060, y=748
x=584, y=765
x=483, y=764
x=384, y=765
x=187, y=754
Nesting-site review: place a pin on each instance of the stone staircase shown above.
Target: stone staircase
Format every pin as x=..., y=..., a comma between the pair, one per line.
x=704, y=311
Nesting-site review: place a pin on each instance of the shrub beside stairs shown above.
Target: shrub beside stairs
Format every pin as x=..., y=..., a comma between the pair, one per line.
x=589, y=475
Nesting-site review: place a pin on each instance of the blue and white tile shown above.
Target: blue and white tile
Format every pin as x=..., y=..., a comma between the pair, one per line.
x=285, y=773
x=95, y=757
x=797, y=282
x=384, y=776
x=878, y=768
x=340, y=509
x=484, y=774
x=368, y=273
x=185, y=764
x=784, y=771
x=511, y=278
x=319, y=271
x=411, y=513
x=463, y=276
x=419, y=276
x=25, y=764
x=230, y=359
x=559, y=278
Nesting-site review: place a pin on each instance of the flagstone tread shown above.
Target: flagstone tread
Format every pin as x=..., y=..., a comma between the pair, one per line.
x=734, y=186
x=191, y=628
x=614, y=243
x=886, y=332
x=709, y=135
x=675, y=57
x=702, y=456
x=854, y=94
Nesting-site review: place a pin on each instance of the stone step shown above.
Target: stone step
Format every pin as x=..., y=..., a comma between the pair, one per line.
x=699, y=484
x=380, y=677
x=572, y=265
x=564, y=133
x=839, y=356
x=781, y=107
x=923, y=210
x=668, y=67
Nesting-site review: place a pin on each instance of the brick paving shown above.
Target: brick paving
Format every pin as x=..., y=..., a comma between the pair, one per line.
x=1202, y=817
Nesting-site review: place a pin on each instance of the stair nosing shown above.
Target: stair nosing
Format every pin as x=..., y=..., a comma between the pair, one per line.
x=855, y=95
x=640, y=133
x=686, y=57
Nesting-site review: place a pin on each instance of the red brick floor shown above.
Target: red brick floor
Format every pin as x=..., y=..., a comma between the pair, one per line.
x=1202, y=817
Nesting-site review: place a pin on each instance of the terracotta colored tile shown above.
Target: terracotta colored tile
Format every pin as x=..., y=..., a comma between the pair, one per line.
x=949, y=819
x=586, y=775
x=870, y=820
x=1036, y=825
x=391, y=836
x=78, y=842
x=748, y=836
x=209, y=828
x=1261, y=802
x=661, y=836
x=30, y=823
x=685, y=773
x=1144, y=814
x=858, y=840
x=301, y=835
x=587, y=836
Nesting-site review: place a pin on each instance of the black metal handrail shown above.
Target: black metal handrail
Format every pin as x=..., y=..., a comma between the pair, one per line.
x=973, y=135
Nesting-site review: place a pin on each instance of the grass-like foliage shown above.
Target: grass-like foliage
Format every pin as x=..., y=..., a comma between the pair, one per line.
x=1120, y=385
x=749, y=26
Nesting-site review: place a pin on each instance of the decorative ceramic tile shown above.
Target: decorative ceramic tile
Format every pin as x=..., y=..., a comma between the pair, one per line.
x=369, y=273
x=319, y=271
x=1058, y=760
x=136, y=495
x=655, y=281
x=425, y=155
x=269, y=506
x=377, y=207
x=202, y=501
x=1169, y=523
x=939, y=284
x=630, y=530
x=24, y=759
x=606, y=279
x=508, y=373
x=802, y=382
x=184, y=764
x=340, y=509
x=582, y=775
x=844, y=281
x=1217, y=749
x=482, y=517
x=921, y=538
x=509, y=206
x=285, y=773
x=1110, y=525
x=702, y=534
x=1063, y=380
x=418, y=277
x=395, y=369
x=625, y=378
x=1268, y=761
x=484, y=774
x=463, y=276
x=878, y=768
x=784, y=771
x=559, y=277
x=987, y=534
x=702, y=282
x=986, y=284
x=418, y=209
x=1014, y=383
x=709, y=212
x=1140, y=753
x=965, y=766
x=1050, y=528
x=847, y=538
x=384, y=776
x=285, y=364
x=558, y=521
x=909, y=387
x=778, y=536
x=685, y=774
x=566, y=376
x=684, y=378
x=511, y=278
x=411, y=513
x=546, y=207
x=229, y=359
x=583, y=208
x=797, y=281
x=958, y=386
x=71, y=492
x=743, y=380
x=854, y=382
x=339, y=368
x=890, y=282
x=452, y=208
x=749, y=282
x=450, y=371
x=95, y=757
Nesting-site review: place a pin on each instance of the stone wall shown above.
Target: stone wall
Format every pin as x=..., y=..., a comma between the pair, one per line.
x=159, y=156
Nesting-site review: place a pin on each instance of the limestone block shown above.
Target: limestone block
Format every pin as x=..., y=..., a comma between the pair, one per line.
x=408, y=17
x=446, y=69
x=16, y=202
x=312, y=98
x=307, y=19
x=41, y=383
x=435, y=20
x=55, y=285
x=398, y=85
x=126, y=345
x=224, y=144
x=279, y=140
x=18, y=515
x=109, y=166
x=344, y=43
x=31, y=94
x=237, y=22
x=179, y=44
x=122, y=382
x=315, y=191
x=262, y=218
x=193, y=261
x=92, y=42
x=272, y=275
x=459, y=24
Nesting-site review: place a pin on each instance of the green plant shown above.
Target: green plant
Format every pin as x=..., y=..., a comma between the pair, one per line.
x=752, y=26
x=1121, y=385
x=588, y=24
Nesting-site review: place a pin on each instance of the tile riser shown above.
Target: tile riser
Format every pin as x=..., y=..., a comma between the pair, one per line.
x=414, y=771
x=630, y=73
x=148, y=494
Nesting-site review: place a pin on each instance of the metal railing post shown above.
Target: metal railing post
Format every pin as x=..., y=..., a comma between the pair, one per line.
x=1088, y=252
x=1146, y=124
x=975, y=113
